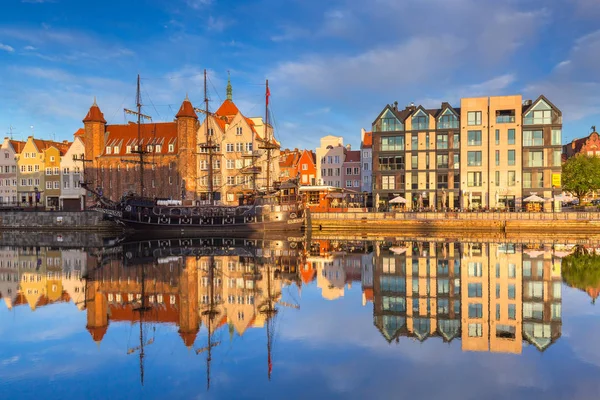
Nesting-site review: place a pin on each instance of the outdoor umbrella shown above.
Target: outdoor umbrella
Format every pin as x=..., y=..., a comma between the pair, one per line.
x=398, y=200
x=376, y=201
x=444, y=195
x=534, y=198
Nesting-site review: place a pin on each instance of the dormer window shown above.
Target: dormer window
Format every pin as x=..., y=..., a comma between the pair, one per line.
x=157, y=148
x=420, y=121
x=116, y=150
x=448, y=120
x=541, y=114
x=108, y=149
x=128, y=149
x=149, y=148
x=388, y=123
x=171, y=148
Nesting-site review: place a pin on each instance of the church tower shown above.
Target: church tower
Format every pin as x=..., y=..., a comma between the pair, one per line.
x=189, y=317
x=93, y=138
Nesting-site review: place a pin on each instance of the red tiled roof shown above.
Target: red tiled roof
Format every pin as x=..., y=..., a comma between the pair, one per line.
x=94, y=114
x=352, y=156
x=46, y=144
x=228, y=108
x=307, y=275
x=80, y=132
x=186, y=110
x=17, y=145
x=98, y=333
x=368, y=139
x=188, y=338
x=160, y=133
x=368, y=294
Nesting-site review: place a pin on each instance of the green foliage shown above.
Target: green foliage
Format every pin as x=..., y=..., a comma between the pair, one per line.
x=580, y=175
x=581, y=270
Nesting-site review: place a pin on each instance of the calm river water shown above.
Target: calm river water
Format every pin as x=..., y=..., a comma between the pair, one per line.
x=258, y=318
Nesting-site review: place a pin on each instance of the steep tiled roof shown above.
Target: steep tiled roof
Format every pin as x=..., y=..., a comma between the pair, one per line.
x=17, y=145
x=228, y=108
x=80, y=132
x=46, y=144
x=188, y=338
x=367, y=140
x=352, y=156
x=94, y=114
x=163, y=134
x=98, y=333
x=186, y=110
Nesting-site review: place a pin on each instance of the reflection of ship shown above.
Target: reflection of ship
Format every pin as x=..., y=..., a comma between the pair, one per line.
x=492, y=296
x=214, y=282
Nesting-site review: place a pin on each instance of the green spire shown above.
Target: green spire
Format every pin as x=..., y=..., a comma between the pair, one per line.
x=229, y=89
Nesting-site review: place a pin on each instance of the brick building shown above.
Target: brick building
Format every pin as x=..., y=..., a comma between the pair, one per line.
x=589, y=145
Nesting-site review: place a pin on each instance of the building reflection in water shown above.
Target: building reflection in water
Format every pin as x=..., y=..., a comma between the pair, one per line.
x=489, y=296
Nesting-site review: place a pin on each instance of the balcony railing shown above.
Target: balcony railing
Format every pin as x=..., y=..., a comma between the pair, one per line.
x=505, y=119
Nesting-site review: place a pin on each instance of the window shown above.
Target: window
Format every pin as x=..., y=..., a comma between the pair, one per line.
x=211, y=131
x=556, y=158
x=48, y=185
x=475, y=310
x=442, y=141
x=420, y=121
x=348, y=183
x=171, y=148
x=511, y=291
x=442, y=161
x=526, y=179
x=388, y=183
x=388, y=123
x=442, y=182
x=108, y=149
x=556, y=137
x=473, y=179
x=231, y=180
x=348, y=170
x=511, y=157
x=37, y=182
x=48, y=171
x=474, y=269
x=512, y=270
x=497, y=157
x=474, y=289
x=329, y=160
x=533, y=138
x=304, y=167
x=497, y=137
x=30, y=168
x=512, y=178
x=392, y=143
x=475, y=330
x=248, y=147
x=541, y=114
x=116, y=149
x=511, y=136
x=536, y=159
x=474, y=158
x=505, y=116
x=23, y=182
x=497, y=177
x=52, y=158
x=157, y=148
x=239, y=130
x=229, y=147
x=414, y=141
x=456, y=161
x=474, y=118
x=239, y=147
x=356, y=171
x=512, y=311
x=414, y=161
x=336, y=159
x=66, y=171
x=365, y=154
x=36, y=168
x=474, y=138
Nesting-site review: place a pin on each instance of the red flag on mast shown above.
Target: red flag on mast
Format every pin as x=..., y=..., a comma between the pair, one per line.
x=268, y=94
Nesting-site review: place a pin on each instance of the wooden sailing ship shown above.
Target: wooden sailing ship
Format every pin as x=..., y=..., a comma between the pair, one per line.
x=267, y=209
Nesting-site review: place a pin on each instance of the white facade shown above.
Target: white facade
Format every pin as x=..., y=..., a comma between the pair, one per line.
x=8, y=173
x=72, y=174
x=74, y=263
x=9, y=274
x=327, y=143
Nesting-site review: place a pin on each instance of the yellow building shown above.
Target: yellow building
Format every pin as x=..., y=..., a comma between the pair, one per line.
x=52, y=173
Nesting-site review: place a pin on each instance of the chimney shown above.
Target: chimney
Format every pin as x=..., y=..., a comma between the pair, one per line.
x=445, y=104
x=395, y=106
x=527, y=102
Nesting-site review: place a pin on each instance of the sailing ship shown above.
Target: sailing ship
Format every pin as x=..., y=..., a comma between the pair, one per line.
x=273, y=209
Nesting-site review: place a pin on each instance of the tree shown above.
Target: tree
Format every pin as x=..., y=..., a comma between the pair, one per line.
x=581, y=270
x=581, y=175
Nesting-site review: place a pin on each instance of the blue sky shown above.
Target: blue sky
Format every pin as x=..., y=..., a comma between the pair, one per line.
x=332, y=65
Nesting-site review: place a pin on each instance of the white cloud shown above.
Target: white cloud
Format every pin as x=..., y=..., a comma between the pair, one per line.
x=197, y=4
x=218, y=24
x=29, y=48
x=6, y=47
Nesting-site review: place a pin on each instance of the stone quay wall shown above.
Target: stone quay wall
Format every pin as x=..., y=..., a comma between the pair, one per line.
x=55, y=221
x=563, y=222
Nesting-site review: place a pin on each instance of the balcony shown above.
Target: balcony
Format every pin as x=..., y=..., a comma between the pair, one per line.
x=505, y=119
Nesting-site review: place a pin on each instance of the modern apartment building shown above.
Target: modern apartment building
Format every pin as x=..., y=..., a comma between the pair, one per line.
x=490, y=153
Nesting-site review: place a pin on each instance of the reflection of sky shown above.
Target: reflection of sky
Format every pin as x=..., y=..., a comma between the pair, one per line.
x=327, y=349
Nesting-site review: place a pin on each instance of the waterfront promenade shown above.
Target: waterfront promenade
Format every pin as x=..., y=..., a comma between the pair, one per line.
x=508, y=222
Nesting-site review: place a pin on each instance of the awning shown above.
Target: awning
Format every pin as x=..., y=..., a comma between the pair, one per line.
x=335, y=196
x=534, y=198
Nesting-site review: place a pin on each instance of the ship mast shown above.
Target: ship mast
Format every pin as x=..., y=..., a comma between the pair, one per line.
x=140, y=150
x=208, y=146
x=268, y=145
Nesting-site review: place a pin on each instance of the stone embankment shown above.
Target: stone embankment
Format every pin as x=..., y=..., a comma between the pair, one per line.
x=55, y=221
x=504, y=222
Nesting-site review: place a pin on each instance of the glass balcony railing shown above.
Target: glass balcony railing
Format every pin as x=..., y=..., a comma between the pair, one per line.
x=505, y=119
